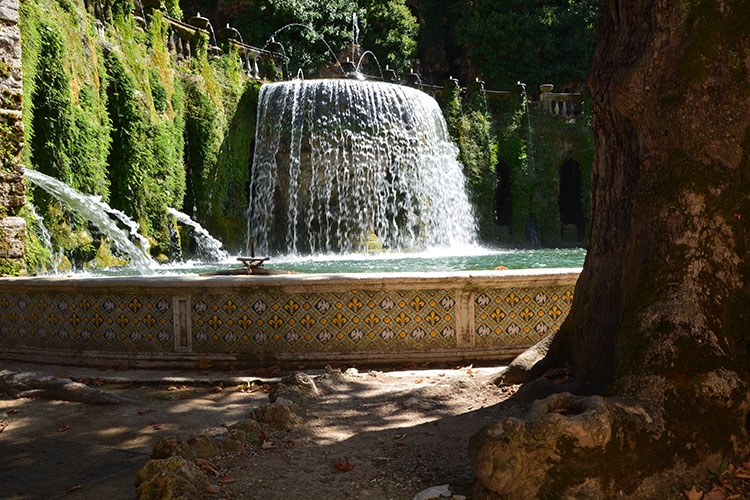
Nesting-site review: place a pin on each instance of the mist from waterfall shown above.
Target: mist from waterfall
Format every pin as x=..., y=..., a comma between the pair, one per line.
x=341, y=163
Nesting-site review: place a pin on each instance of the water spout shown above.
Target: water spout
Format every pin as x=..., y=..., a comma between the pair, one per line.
x=93, y=209
x=208, y=247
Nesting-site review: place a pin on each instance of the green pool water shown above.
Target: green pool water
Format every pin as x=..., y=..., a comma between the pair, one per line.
x=467, y=259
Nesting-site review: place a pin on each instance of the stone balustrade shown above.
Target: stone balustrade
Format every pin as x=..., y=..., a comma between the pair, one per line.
x=564, y=105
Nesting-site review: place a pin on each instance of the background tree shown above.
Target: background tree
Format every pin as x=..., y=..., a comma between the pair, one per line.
x=658, y=326
x=549, y=41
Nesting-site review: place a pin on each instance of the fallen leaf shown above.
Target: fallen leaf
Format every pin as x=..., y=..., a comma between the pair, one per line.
x=125, y=386
x=3, y=425
x=12, y=411
x=693, y=493
x=204, y=363
x=736, y=496
x=267, y=445
x=83, y=380
x=96, y=381
x=213, y=489
x=72, y=488
x=207, y=466
x=217, y=388
x=63, y=428
x=717, y=493
x=419, y=381
x=346, y=466
x=227, y=479
x=145, y=411
x=158, y=426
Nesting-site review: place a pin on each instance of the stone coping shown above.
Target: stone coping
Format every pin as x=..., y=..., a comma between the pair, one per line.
x=297, y=282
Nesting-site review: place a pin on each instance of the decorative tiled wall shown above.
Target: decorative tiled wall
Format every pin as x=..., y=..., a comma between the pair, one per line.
x=297, y=316
x=92, y=322
x=519, y=316
x=349, y=321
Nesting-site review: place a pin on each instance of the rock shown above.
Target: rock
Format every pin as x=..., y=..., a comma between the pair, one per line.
x=442, y=491
x=169, y=478
x=331, y=380
x=172, y=446
x=203, y=447
x=250, y=428
x=297, y=388
x=233, y=442
x=415, y=404
x=527, y=365
x=281, y=414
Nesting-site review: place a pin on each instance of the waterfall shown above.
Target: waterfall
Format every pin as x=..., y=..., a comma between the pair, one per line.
x=340, y=161
x=93, y=209
x=208, y=247
x=56, y=254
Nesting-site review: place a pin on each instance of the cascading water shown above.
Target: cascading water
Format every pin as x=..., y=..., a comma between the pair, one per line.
x=93, y=209
x=338, y=161
x=55, y=253
x=208, y=247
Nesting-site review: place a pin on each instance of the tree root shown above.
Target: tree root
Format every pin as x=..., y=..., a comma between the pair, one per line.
x=36, y=384
x=561, y=449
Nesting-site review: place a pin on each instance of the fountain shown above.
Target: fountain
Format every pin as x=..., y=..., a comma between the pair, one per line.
x=208, y=247
x=338, y=162
x=94, y=210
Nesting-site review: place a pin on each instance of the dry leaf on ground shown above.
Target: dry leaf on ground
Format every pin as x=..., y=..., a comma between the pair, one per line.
x=693, y=493
x=213, y=489
x=73, y=487
x=344, y=467
x=63, y=427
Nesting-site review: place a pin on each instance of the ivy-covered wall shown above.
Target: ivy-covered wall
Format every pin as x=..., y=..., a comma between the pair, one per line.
x=12, y=227
x=113, y=113
x=514, y=160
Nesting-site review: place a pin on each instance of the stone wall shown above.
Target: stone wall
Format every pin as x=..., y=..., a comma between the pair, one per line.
x=12, y=227
x=358, y=318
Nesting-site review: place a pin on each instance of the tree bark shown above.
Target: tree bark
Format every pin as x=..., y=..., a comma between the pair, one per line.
x=659, y=322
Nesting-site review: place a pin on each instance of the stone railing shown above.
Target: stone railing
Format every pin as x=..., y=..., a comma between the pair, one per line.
x=182, y=40
x=564, y=105
x=12, y=227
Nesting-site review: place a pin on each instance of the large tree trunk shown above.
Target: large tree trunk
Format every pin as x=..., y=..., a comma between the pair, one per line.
x=660, y=322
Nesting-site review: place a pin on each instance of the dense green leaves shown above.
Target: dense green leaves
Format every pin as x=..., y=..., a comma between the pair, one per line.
x=388, y=29
x=547, y=41
x=50, y=143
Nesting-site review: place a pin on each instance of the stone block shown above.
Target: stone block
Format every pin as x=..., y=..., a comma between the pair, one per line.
x=11, y=191
x=9, y=12
x=12, y=237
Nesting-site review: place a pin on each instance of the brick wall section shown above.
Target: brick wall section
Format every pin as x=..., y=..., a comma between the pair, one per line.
x=12, y=227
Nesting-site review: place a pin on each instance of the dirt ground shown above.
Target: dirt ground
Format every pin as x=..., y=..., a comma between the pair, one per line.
x=403, y=430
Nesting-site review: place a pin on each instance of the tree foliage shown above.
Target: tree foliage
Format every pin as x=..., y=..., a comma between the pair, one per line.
x=547, y=41
x=388, y=29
